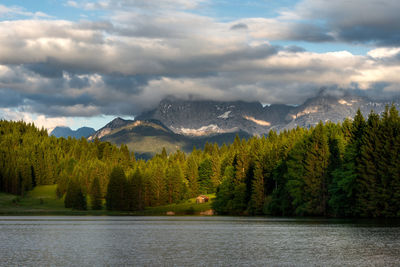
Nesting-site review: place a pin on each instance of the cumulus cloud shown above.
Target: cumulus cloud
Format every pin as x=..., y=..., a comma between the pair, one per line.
x=141, y=52
x=356, y=21
x=39, y=120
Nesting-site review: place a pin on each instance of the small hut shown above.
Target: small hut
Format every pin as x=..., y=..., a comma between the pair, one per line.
x=201, y=199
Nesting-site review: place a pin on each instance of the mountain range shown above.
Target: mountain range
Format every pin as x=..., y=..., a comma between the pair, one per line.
x=182, y=124
x=202, y=118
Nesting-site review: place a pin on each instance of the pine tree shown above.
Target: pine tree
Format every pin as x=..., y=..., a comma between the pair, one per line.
x=95, y=195
x=174, y=184
x=205, y=173
x=116, y=190
x=366, y=200
x=224, y=196
x=136, y=190
x=75, y=198
x=192, y=176
x=344, y=187
x=256, y=204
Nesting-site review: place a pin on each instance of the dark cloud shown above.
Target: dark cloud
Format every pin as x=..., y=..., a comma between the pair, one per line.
x=374, y=34
x=357, y=21
x=60, y=99
x=79, y=82
x=294, y=49
x=310, y=33
x=46, y=69
x=127, y=83
x=239, y=26
x=209, y=64
x=10, y=98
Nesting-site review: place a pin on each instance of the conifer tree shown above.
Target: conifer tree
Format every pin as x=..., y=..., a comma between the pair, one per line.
x=192, y=176
x=136, y=190
x=174, y=177
x=116, y=190
x=74, y=197
x=205, y=173
x=95, y=195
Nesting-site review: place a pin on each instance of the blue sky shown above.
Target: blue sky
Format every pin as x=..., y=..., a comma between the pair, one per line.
x=82, y=63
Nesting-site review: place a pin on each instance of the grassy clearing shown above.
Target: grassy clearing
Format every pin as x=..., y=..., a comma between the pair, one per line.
x=43, y=201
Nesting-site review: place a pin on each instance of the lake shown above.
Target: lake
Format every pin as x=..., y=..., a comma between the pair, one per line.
x=196, y=241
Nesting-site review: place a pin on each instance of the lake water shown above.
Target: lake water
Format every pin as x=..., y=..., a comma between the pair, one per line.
x=196, y=241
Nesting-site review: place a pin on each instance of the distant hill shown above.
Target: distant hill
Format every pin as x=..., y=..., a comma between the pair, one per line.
x=61, y=131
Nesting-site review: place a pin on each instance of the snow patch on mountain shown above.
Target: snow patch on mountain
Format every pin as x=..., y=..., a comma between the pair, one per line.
x=225, y=115
x=308, y=110
x=204, y=130
x=344, y=102
x=259, y=122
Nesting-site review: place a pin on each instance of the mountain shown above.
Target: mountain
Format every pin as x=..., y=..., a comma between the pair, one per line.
x=182, y=124
x=325, y=107
x=204, y=118
x=109, y=127
x=61, y=131
x=148, y=137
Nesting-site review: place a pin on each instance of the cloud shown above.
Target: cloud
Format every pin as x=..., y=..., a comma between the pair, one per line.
x=39, y=120
x=138, y=4
x=128, y=61
x=14, y=11
x=10, y=98
x=239, y=26
x=357, y=21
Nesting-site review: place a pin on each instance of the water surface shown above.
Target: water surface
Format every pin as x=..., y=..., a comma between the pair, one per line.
x=196, y=241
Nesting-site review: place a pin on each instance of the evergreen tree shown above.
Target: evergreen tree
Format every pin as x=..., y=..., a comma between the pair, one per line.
x=174, y=183
x=205, y=173
x=367, y=163
x=74, y=197
x=136, y=191
x=95, y=195
x=192, y=176
x=224, y=196
x=116, y=190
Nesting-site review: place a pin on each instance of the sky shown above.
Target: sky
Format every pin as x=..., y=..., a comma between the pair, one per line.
x=83, y=63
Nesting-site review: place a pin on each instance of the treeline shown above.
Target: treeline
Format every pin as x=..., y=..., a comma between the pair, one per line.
x=350, y=169
x=96, y=171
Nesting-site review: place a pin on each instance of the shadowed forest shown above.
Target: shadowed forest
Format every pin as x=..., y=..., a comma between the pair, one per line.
x=350, y=169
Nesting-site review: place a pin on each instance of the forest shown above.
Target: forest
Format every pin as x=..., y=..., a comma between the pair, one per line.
x=347, y=169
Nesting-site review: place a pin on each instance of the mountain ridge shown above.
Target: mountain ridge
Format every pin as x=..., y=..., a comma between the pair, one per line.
x=182, y=124
x=206, y=117
x=63, y=131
